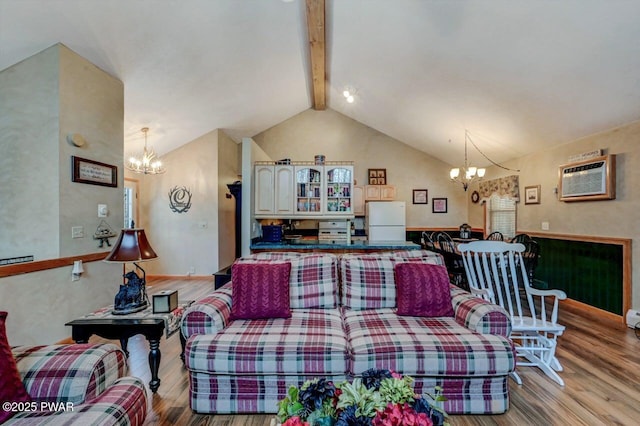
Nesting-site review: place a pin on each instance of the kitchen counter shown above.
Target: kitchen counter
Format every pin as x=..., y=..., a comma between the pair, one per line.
x=315, y=245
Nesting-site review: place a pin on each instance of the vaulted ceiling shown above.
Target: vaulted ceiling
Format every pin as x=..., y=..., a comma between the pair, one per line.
x=519, y=75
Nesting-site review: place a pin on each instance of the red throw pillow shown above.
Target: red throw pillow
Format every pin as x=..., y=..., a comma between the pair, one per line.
x=11, y=386
x=260, y=290
x=422, y=290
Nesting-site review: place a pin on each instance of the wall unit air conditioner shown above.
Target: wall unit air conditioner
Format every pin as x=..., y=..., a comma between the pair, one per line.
x=593, y=179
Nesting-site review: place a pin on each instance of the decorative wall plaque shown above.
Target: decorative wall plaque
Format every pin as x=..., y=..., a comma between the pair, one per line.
x=93, y=172
x=180, y=199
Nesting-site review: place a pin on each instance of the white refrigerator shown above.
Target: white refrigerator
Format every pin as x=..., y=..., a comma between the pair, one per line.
x=386, y=221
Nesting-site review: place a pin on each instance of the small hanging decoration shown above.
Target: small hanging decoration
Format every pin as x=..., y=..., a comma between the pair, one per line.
x=180, y=199
x=103, y=233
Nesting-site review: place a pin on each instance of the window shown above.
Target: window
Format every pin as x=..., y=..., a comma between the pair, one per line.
x=130, y=203
x=501, y=216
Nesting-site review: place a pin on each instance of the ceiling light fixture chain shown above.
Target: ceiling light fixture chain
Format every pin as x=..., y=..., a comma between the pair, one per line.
x=485, y=156
x=148, y=163
x=470, y=173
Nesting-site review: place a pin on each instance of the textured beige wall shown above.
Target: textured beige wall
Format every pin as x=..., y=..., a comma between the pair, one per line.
x=186, y=241
x=92, y=104
x=42, y=99
x=228, y=153
x=610, y=218
x=29, y=123
x=340, y=138
x=40, y=303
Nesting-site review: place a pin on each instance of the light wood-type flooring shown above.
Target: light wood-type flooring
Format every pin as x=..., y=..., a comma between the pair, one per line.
x=601, y=371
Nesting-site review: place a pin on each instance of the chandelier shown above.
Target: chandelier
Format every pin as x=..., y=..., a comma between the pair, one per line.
x=148, y=163
x=467, y=174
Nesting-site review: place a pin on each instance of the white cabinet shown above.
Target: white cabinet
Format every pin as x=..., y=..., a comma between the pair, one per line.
x=303, y=190
x=358, y=200
x=387, y=192
x=309, y=190
x=283, y=203
x=380, y=193
x=264, y=194
x=339, y=190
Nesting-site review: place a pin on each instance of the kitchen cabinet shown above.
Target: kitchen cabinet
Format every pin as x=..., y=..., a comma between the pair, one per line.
x=264, y=200
x=380, y=193
x=284, y=195
x=309, y=190
x=273, y=189
x=358, y=200
x=299, y=190
x=387, y=192
x=339, y=190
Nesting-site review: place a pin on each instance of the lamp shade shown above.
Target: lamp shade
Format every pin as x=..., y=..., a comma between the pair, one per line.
x=132, y=246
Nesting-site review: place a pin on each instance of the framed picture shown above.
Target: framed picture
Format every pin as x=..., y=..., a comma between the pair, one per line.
x=532, y=194
x=377, y=176
x=93, y=172
x=439, y=205
x=420, y=196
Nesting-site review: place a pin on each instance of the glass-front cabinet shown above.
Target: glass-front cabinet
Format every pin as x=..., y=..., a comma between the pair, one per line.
x=303, y=189
x=309, y=190
x=339, y=190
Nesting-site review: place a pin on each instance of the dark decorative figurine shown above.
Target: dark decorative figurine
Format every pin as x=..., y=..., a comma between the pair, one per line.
x=132, y=296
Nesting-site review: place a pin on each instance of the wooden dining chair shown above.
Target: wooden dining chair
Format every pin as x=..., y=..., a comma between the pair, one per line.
x=521, y=238
x=496, y=272
x=452, y=260
x=495, y=236
x=427, y=240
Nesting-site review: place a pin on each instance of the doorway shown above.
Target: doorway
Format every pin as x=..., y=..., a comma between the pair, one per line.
x=131, y=219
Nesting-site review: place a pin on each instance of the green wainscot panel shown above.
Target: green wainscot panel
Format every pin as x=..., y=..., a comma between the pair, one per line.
x=588, y=272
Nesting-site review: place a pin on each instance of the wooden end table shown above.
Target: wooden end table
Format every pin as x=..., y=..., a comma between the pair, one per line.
x=151, y=325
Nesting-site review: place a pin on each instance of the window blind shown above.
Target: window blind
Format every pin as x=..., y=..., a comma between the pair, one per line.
x=502, y=216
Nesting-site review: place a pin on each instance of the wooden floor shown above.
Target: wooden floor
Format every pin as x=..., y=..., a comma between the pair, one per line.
x=601, y=371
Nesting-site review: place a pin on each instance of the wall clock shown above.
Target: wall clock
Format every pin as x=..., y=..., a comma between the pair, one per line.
x=475, y=197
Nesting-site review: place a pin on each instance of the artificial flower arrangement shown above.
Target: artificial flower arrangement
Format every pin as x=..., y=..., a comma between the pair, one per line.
x=379, y=398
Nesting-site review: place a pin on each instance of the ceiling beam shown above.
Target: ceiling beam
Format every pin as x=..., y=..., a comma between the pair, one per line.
x=316, y=28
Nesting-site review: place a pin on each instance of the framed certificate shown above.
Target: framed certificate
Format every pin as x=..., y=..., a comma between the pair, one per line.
x=93, y=172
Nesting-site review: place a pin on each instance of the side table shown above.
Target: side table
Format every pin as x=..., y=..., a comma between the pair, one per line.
x=151, y=325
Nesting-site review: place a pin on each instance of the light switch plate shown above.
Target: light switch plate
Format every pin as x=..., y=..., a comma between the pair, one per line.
x=77, y=232
x=102, y=210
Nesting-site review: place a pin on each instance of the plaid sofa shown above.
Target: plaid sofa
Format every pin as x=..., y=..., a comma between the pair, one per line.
x=80, y=384
x=343, y=322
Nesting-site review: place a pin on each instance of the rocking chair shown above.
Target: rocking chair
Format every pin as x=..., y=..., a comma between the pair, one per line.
x=496, y=272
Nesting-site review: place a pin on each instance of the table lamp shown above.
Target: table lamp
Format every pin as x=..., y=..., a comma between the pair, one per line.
x=132, y=246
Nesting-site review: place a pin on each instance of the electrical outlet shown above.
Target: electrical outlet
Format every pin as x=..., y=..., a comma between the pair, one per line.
x=77, y=232
x=103, y=210
x=192, y=270
x=545, y=226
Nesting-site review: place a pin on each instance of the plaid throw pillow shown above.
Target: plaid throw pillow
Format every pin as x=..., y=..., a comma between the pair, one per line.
x=423, y=290
x=260, y=290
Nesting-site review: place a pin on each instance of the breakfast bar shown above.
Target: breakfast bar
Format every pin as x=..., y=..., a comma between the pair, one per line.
x=313, y=245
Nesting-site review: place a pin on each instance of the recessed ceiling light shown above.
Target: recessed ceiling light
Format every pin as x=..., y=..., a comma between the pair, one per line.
x=349, y=94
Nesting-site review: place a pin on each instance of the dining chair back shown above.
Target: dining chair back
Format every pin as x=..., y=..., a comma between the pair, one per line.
x=521, y=238
x=427, y=240
x=496, y=271
x=495, y=236
x=452, y=260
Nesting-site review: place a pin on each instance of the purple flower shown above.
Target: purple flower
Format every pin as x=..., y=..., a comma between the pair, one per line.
x=313, y=394
x=348, y=418
x=372, y=377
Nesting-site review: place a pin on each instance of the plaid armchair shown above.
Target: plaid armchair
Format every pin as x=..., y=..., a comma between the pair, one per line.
x=78, y=384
